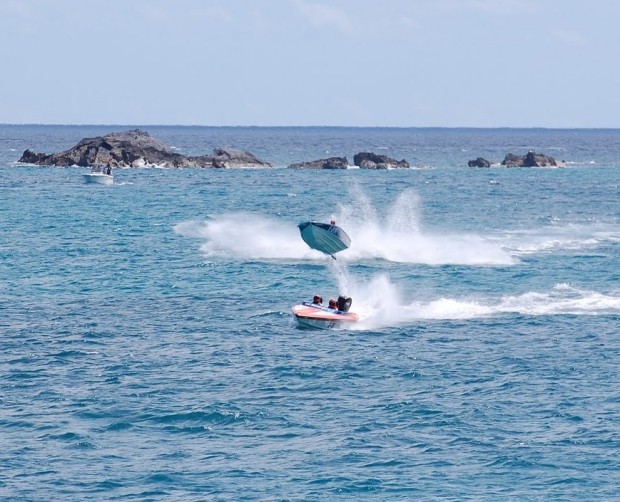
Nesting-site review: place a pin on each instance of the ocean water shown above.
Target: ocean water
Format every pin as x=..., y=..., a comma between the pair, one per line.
x=149, y=352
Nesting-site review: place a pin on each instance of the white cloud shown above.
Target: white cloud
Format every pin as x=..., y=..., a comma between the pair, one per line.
x=11, y=8
x=322, y=16
x=212, y=14
x=569, y=38
x=164, y=13
x=18, y=16
x=491, y=7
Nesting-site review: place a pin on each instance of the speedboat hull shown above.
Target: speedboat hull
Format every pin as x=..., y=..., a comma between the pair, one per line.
x=100, y=178
x=324, y=237
x=309, y=315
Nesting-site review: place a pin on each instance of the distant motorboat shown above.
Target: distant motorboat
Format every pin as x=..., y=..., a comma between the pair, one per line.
x=100, y=174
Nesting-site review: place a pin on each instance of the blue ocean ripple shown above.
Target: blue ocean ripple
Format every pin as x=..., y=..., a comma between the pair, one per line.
x=144, y=363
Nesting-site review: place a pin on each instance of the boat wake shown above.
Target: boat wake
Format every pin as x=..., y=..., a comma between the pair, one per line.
x=381, y=305
x=266, y=238
x=559, y=238
x=263, y=238
x=396, y=237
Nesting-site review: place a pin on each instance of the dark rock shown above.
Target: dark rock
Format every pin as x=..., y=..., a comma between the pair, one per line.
x=31, y=157
x=369, y=160
x=531, y=159
x=231, y=157
x=137, y=148
x=479, y=162
x=512, y=160
x=331, y=163
x=369, y=164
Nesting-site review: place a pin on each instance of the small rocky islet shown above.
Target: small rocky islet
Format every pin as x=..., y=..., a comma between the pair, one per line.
x=137, y=148
x=530, y=159
x=363, y=160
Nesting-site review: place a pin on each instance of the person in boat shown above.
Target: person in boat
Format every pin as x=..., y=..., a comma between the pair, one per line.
x=108, y=170
x=317, y=300
x=333, y=304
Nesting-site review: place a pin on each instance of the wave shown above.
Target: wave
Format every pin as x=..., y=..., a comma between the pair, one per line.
x=557, y=238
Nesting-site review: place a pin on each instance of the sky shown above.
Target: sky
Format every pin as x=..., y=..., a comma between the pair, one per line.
x=388, y=63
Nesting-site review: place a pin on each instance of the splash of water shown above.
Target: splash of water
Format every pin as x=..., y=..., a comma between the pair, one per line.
x=262, y=238
x=397, y=237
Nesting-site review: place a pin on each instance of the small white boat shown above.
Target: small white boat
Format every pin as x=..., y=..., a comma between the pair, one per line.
x=100, y=175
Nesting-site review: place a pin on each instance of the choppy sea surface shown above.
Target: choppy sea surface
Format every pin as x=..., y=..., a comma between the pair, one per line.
x=149, y=352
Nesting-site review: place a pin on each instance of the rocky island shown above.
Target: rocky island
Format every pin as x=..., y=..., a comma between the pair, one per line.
x=369, y=160
x=364, y=160
x=330, y=163
x=530, y=159
x=136, y=148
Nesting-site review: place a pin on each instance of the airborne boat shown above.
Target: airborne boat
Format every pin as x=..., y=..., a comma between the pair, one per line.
x=325, y=237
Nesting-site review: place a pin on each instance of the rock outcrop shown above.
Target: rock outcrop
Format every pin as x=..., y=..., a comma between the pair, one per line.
x=364, y=160
x=369, y=160
x=137, y=148
x=479, y=162
x=531, y=159
x=232, y=157
x=330, y=163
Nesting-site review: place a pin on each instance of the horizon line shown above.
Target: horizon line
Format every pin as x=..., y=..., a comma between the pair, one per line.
x=25, y=124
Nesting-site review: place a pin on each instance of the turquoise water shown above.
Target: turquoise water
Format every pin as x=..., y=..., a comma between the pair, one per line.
x=149, y=352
